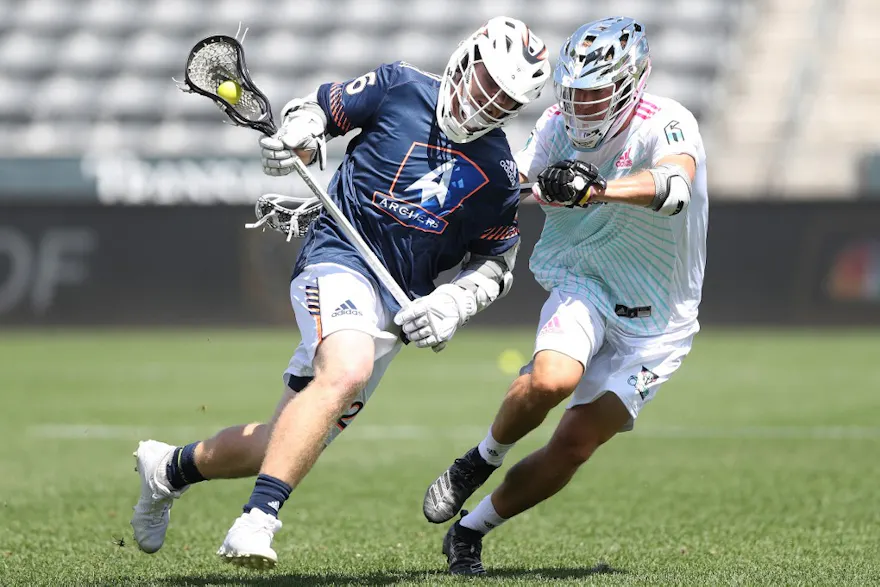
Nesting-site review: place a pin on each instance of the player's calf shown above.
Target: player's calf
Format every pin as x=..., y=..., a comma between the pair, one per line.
x=570, y=448
x=233, y=453
x=581, y=431
x=586, y=427
x=551, y=378
x=529, y=399
x=448, y=493
x=343, y=366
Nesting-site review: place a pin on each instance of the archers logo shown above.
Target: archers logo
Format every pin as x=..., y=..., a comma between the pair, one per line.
x=509, y=167
x=673, y=133
x=430, y=183
x=643, y=381
x=434, y=184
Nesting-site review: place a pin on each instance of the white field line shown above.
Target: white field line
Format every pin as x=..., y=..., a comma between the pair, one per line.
x=422, y=432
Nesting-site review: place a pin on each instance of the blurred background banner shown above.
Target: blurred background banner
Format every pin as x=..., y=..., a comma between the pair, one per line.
x=772, y=264
x=786, y=96
x=129, y=178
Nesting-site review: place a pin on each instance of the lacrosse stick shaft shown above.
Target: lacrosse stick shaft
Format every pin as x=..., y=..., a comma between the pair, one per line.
x=353, y=236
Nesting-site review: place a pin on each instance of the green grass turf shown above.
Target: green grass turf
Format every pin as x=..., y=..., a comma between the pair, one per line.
x=756, y=465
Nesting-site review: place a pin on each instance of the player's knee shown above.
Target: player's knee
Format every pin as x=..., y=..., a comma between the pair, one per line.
x=348, y=378
x=554, y=377
x=548, y=389
x=344, y=361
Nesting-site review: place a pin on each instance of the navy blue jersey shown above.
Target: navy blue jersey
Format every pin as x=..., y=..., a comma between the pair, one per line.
x=419, y=200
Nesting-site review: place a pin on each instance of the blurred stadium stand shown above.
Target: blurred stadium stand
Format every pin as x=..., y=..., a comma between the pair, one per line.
x=785, y=94
x=83, y=76
x=801, y=102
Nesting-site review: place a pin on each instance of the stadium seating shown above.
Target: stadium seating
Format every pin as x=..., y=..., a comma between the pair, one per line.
x=95, y=75
x=800, y=110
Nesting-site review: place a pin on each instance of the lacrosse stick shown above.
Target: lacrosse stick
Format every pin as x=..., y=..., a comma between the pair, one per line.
x=219, y=59
x=290, y=215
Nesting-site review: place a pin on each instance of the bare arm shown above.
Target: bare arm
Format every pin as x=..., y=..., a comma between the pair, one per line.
x=525, y=191
x=638, y=189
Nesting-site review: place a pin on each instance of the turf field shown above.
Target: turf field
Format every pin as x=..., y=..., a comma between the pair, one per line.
x=756, y=465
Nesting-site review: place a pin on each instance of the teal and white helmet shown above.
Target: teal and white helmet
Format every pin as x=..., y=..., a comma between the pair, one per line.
x=600, y=78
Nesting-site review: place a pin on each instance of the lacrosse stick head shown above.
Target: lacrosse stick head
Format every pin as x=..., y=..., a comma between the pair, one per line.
x=290, y=215
x=218, y=59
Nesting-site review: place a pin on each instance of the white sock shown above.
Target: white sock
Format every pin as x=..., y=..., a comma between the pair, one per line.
x=492, y=451
x=484, y=517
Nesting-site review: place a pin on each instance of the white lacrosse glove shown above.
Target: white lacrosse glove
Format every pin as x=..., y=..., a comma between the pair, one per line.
x=432, y=320
x=303, y=130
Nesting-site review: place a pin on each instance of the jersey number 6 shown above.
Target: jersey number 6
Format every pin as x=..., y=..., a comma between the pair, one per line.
x=358, y=85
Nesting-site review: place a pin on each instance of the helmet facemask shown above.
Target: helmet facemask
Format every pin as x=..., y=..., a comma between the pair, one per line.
x=590, y=113
x=600, y=78
x=477, y=104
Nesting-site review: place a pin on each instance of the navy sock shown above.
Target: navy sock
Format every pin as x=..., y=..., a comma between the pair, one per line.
x=182, y=470
x=269, y=495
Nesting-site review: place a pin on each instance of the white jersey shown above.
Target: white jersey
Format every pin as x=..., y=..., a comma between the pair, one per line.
x=643, y=271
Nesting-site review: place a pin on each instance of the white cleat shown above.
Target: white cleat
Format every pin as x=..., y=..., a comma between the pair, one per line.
x=249, y=541
x=153, y=510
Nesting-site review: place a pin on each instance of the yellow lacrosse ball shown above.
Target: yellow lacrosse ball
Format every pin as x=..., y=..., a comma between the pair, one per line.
x=510, y=361
x=229, y=91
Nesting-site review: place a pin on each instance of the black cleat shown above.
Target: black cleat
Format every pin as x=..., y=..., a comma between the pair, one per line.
x=463, y=548
x=446, y=496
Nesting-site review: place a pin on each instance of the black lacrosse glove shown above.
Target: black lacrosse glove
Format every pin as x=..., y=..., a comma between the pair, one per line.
x=570, y=183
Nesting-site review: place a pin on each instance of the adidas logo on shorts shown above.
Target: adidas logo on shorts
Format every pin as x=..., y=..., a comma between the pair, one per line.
x=346, y=309
x=553, y=326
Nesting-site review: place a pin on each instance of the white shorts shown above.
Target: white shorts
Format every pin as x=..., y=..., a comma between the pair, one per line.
x=327, y=298
x=631, y=367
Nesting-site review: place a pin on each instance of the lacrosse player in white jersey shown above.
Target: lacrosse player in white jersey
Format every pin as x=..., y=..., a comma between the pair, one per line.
x=621, y=175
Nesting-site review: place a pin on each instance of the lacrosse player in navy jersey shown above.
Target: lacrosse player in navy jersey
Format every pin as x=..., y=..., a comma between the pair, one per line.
x=430, y=184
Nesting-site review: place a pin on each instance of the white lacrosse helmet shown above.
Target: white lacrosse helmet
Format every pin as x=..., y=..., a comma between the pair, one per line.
x=489, y=78
x=599, y=79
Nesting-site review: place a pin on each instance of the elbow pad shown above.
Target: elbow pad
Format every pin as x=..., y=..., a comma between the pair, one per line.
x=672, y=189
x=487, y=277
